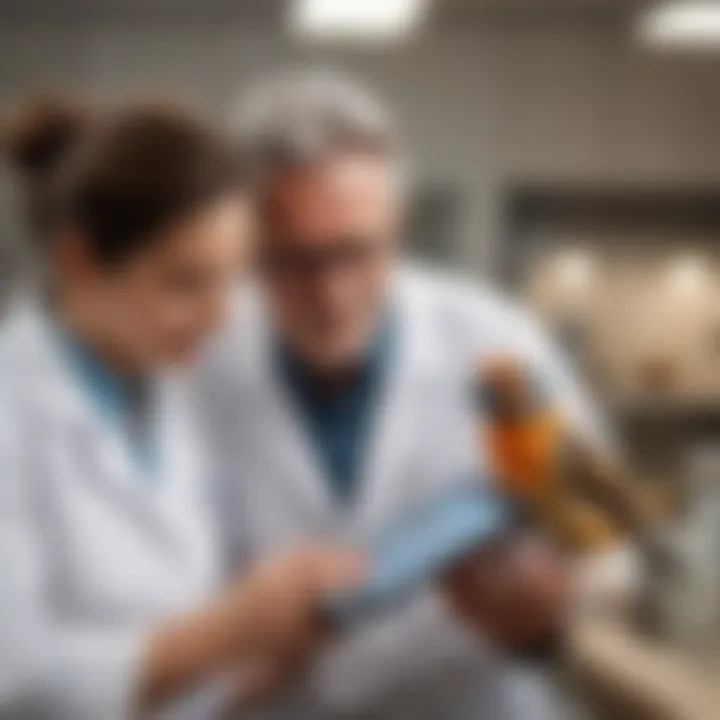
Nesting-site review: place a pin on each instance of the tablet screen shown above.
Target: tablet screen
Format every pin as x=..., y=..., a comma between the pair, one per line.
x=416, y=547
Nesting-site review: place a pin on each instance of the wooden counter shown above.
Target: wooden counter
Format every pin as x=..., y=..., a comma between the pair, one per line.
x=630, y=677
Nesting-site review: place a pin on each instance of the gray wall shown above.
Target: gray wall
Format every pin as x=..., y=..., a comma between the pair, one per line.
x=483, y=107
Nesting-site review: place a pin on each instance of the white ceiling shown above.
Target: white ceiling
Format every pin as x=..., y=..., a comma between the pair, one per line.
x=542, y=4
x=272, y=8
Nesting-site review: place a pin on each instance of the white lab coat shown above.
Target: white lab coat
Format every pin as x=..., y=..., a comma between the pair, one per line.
x=92, y=552
x=418, y=663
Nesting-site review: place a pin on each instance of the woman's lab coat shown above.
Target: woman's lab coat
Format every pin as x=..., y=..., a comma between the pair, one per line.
x=416, y=663
x=93, y=551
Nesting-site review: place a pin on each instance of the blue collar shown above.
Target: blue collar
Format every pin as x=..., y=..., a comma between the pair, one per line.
x=118, y=399
x=109, y=392
x=339, y=422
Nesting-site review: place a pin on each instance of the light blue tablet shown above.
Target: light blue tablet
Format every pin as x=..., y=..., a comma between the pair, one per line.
x=418, y=546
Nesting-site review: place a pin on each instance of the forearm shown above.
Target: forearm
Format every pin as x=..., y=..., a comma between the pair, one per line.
x=188, y=650
x=86, y=672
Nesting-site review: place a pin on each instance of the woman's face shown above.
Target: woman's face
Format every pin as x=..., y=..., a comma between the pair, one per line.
x=163, y=303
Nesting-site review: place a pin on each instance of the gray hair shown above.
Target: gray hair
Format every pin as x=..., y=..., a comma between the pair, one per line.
x=302, y=117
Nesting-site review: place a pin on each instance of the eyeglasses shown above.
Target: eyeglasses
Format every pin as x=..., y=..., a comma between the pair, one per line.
x=347, y=254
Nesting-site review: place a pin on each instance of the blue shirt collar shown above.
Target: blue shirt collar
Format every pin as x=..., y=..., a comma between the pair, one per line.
x=339, y=422
x=118, y=399
x=106, y=389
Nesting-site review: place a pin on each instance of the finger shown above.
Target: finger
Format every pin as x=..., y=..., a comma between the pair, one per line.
x=338, y=570
x=266, y=678
x=259, y=684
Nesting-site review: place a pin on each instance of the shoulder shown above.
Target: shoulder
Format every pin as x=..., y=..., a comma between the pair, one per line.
x=231, y=340
x=231, y=360
x=32, y=379
x=467, y=311
x=23, y=378
x=22, y=350
x=29, y=397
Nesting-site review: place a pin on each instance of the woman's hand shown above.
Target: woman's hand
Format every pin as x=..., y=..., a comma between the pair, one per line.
x=270, y=617
x=279, y=602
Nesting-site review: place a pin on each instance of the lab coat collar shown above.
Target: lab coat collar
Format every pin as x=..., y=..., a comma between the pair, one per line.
x=112, y=466
x=400, y=407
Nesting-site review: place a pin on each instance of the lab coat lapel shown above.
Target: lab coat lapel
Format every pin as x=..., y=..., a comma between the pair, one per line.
x=150, y=500
x=182, y=499
x=168, y=502
x=109, y=465
x=282, y=426
x=91, y=433
x=386, y=473
x=395, y=426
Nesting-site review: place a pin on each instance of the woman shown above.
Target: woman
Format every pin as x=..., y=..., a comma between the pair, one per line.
x=106, y=553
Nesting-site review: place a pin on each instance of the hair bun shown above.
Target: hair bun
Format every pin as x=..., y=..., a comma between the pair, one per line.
x=40, y=133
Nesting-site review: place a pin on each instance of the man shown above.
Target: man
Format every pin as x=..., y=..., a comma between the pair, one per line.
x=340, y=398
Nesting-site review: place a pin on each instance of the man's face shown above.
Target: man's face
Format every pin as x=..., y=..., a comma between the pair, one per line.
x=328, y=239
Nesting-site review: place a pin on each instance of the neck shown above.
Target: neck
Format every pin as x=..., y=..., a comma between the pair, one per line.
x=80, y=319
x=335, y=380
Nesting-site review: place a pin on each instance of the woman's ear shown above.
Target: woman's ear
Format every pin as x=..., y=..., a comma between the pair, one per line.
x=71, y=256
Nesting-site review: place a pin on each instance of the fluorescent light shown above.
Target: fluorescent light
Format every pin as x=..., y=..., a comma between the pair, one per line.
x=683, y=23
x=356, y=20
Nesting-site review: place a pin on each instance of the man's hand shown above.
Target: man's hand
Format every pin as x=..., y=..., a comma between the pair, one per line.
x=516, y=593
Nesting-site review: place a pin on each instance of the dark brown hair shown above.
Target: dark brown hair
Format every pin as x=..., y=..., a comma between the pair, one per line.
x=119, y=178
